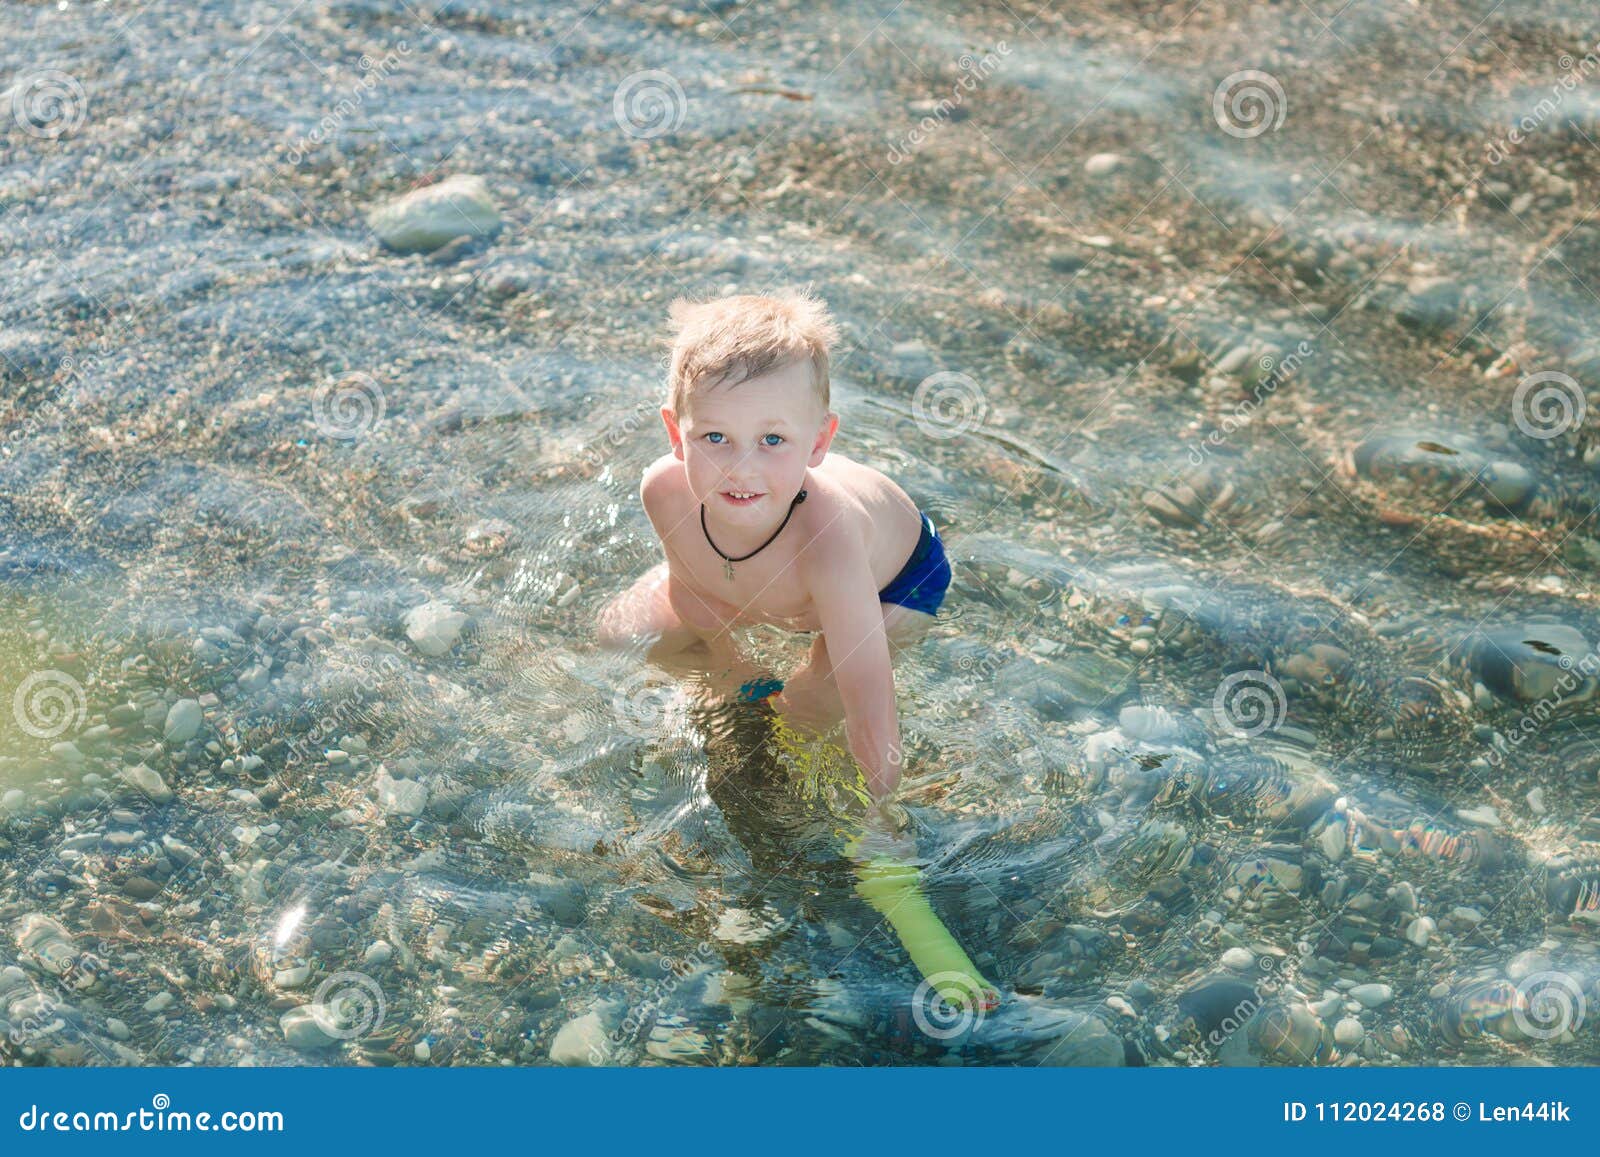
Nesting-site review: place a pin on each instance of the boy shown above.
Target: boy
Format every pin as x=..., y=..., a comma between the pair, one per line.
x=761, y=524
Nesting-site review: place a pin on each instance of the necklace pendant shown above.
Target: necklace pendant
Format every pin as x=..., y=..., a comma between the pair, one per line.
x=727, y=568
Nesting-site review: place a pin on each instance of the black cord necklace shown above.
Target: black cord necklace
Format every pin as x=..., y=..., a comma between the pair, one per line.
x=728, y=560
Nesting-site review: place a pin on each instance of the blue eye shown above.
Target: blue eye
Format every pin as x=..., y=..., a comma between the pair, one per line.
x=779, y=438
x=713, y=434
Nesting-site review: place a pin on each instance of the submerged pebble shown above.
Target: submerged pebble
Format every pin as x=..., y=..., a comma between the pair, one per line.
x=183, y=721
x=305, y=542
x=425, y=219
x=434, y=627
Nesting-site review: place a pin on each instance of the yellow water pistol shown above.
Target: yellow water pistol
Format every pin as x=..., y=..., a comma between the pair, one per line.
x=826, y=774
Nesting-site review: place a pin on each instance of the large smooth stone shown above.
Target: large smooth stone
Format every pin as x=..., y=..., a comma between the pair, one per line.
x=434, y=627
x=425, y=219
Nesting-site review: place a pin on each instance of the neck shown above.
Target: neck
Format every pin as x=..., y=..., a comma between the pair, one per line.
x=742, y=538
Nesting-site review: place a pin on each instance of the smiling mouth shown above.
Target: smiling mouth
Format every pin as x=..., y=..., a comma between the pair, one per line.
x=742, y=497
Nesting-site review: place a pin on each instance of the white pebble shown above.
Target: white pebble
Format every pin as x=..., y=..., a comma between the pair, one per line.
x=183, y=721
x=292, y=977
x=425, y=219
x=1148, y=723
x=1421, y=930
x=1102, y=164
x=581, y=1042
x=146, y=780
x=1372, y=995
x=400, y=797
x=434, y=627
x=1238, y=959
x=1525, y=964
x=1348, y=1033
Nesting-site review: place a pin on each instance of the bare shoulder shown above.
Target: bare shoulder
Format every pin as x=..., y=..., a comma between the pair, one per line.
x=852, y=496
x=661, y=486
x=658, y=472
x=835, y=522
x=862, y=520
x=867, y=486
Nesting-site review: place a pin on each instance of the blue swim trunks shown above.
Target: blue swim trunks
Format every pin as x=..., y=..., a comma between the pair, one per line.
x=920, y=585
x=922, y=582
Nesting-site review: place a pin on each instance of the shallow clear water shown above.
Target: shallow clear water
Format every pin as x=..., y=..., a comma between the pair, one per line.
x=1257, y=727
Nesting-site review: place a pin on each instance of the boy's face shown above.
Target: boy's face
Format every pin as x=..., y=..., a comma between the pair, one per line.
x=757, y=437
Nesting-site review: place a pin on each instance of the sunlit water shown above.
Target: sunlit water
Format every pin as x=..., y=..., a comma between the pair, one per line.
x=1257, y=727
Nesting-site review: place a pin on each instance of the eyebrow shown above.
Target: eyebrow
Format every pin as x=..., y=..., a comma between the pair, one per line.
x=760, y=421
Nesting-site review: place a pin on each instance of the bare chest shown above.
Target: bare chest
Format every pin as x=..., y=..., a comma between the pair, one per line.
x=763, y=589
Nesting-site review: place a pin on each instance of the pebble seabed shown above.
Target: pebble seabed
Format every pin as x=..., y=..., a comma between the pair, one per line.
x=1262, y=727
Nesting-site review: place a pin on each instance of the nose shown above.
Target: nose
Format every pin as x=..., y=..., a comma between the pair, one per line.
x=738, y=463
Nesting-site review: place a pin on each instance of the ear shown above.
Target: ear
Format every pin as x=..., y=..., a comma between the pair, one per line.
x=673, y=432
x=819, y=449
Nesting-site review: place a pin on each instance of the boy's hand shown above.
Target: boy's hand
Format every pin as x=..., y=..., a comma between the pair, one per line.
x=886, y=833
x=805, y=705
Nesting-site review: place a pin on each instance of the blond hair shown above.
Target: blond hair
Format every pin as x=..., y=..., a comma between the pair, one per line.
x=732, y=339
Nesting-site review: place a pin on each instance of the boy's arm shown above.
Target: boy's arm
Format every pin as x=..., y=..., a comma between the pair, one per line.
x=836, y=568
x=646, y=610
x=680, y=606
